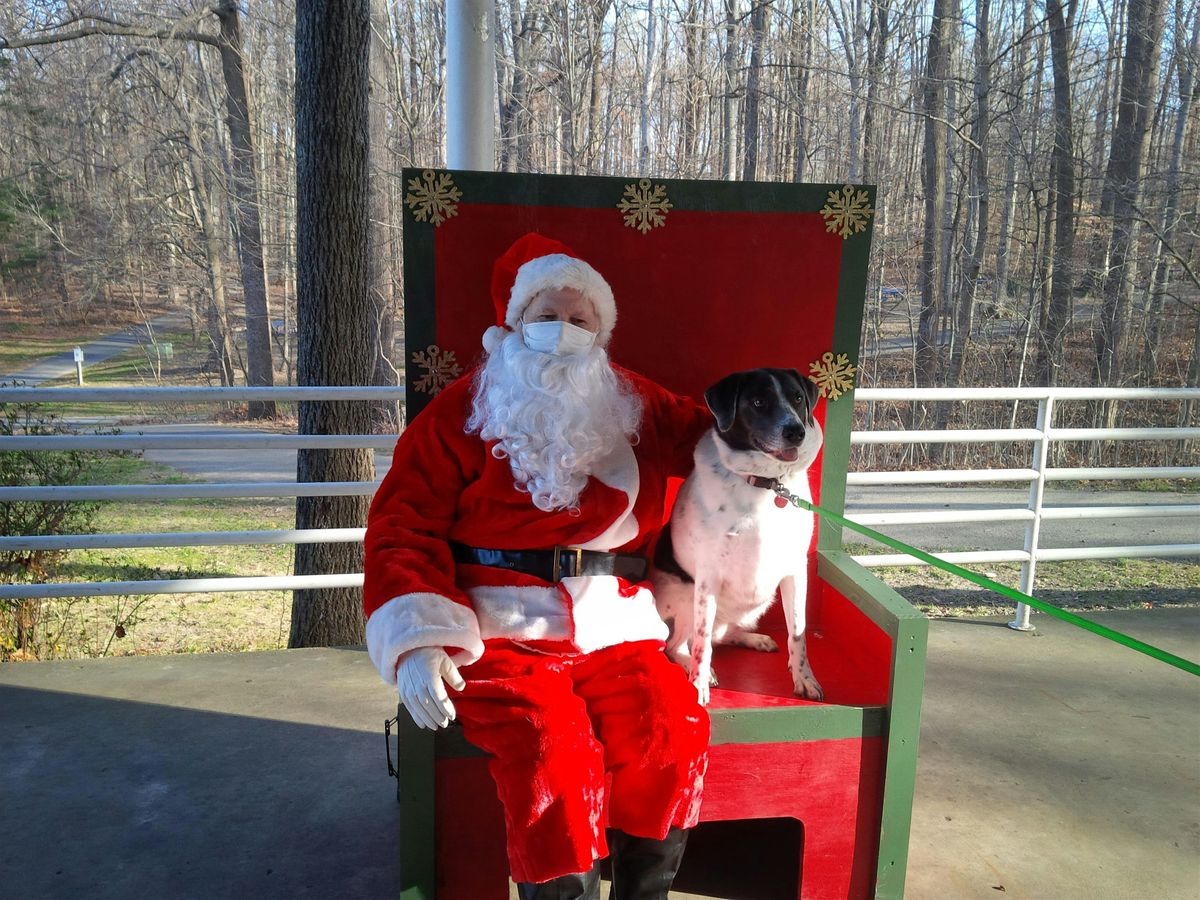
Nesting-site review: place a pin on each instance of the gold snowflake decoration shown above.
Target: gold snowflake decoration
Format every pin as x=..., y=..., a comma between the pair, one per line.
x=645, y=206
x=846, y=211
x=440, y=367
x=833, y=377
x=433, y=197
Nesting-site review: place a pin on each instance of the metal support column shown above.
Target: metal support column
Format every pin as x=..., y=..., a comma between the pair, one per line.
x=471, y=84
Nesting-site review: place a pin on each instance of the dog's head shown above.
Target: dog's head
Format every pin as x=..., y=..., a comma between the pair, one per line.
x=767, y=411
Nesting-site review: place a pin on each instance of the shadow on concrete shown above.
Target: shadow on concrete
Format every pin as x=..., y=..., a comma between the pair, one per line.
x=108, y=798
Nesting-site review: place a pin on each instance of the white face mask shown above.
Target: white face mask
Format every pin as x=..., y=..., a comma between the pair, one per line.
x=559, y=338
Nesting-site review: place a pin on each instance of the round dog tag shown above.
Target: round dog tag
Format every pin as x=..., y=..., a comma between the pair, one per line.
x=780, y=502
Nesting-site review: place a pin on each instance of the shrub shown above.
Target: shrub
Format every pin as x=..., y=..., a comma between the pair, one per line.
x=20, y=619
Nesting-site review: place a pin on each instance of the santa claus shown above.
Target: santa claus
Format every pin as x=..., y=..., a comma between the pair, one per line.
x=506, y=561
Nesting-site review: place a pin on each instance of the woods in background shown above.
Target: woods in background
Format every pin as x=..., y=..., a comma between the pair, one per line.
x=1037, y=164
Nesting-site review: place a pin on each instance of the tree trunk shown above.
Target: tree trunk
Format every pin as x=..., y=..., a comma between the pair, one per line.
x=1187, y=58
x=206, y=212
x=1062, y=281
x=247, y=226
x=516, y=120
x=644, y=98
x=595, y=60
x=929, y=276
x=1000, y=289
x=333, y=301
x=878, y=32
x=980, y=129
x=1124, y=178
x=383, y=247
x=804, y=69
x=758, y=31
x=695, y=86
x=728, y=102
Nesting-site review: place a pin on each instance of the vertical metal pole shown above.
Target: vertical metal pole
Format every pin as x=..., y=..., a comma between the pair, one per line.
x=79, y=365
x=1033, y=530
x=471, y=84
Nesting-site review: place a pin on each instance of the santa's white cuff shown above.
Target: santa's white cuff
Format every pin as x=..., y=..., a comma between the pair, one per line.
x=421, y=620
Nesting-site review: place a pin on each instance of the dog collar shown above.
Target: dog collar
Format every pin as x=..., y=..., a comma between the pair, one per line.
x=768, y=484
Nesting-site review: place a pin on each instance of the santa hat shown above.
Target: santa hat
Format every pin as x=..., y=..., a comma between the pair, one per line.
x=534, y=264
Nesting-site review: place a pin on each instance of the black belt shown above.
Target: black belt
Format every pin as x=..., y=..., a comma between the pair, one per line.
x=553, y=565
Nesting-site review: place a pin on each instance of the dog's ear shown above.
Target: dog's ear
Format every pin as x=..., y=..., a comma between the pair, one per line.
x=722, y=399
x=810, y=390
x=805, y=386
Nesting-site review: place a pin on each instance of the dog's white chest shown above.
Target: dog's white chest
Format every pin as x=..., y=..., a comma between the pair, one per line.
x=731, y=532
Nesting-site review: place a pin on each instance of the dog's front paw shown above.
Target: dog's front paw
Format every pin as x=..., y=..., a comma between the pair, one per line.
x=806, y=686
x=763, y=643
x=703, y=679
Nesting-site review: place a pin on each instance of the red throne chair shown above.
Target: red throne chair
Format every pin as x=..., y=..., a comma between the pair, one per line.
x=802, y=799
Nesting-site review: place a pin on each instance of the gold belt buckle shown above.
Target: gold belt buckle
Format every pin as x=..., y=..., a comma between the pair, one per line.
x=556, y=563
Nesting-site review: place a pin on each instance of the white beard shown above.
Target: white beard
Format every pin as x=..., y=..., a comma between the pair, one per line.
x=553, y=417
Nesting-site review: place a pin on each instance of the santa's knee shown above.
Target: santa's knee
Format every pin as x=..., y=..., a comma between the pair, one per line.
x=546, y=767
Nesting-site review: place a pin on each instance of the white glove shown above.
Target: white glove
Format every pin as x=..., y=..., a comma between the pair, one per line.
x=421, y=678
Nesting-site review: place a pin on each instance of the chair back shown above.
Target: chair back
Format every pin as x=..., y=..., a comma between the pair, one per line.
x=709, y=278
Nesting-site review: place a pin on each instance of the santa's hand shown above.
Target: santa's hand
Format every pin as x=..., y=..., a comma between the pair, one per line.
x=421, y=678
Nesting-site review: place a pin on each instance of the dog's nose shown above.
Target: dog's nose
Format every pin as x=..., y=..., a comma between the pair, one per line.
x=793, y=434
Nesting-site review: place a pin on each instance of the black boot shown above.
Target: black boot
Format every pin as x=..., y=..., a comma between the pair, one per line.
x=584, y=886
x=643, y=868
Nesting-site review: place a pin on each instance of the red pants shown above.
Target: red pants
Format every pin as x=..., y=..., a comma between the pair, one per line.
x=614, y=738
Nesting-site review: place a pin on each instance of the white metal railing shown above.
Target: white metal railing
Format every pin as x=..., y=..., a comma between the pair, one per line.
x=183, y=440
x=1032, y=514
x=1041, y=437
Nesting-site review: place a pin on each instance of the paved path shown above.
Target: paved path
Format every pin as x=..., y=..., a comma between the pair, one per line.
x=1059, y=766
x=62, y=365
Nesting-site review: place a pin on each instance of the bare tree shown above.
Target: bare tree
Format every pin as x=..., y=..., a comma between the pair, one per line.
x=759, y=11
x=1187, y=57
x=1123, y=180
x=1062, y=165
x=934, y=183
x=980, y=190
x=246, y=223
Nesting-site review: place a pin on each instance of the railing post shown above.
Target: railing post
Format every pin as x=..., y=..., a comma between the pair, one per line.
x=1033, y=529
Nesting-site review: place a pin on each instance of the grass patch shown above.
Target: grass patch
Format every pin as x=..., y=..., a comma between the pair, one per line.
x=1168, y=485
x=134, y=625
x=138, y=367
x=1077, y=585
x=137, y=625
x=17, y=355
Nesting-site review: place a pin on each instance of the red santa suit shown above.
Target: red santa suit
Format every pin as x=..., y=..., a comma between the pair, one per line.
x=587, y=722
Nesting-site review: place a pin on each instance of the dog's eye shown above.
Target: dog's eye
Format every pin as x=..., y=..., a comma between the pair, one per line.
x=757, y=403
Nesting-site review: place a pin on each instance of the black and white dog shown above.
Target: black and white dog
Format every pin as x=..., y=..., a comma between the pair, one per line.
x=729, y=545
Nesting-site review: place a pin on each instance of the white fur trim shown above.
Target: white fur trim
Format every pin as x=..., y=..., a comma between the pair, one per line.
x=603, y=617
x=421, y=620
x=521, y=613
x=618, y=470
x=493, y=337
x=597, y=615
x=557, y=270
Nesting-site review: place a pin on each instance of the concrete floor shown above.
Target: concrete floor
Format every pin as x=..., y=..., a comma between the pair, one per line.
x=1054, y=766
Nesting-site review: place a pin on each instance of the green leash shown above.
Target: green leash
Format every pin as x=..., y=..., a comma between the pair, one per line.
x=1132, y=643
